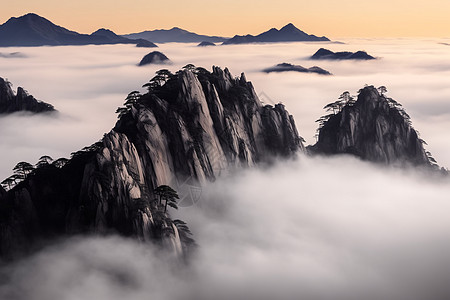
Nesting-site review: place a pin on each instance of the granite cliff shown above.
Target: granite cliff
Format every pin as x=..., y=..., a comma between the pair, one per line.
x=374, y=128
x=190, y=126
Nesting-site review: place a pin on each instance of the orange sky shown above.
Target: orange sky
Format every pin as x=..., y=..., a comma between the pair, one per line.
x=344, y=18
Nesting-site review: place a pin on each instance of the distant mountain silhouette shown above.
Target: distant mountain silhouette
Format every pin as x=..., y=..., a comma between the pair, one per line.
x=146, y=44
x=174, y=35
x=286, y=67
x=288, y=33
x=323, y=53
x=34, y=30
x=205, y=44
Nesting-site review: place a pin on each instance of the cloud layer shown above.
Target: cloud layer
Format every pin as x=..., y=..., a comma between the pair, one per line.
x=313, y=228
x=86, y=84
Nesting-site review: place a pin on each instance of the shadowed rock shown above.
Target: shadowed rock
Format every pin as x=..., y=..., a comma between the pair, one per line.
x=21, y=101
x=205, y=44
x=154, y=57
x=323, y=53
x=286, y=67
x=373, y=128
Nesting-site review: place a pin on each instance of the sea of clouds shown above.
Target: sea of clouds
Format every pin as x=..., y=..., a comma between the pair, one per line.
x=312, y=228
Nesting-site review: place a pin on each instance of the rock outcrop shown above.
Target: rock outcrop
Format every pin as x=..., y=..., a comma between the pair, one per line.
x=205, y=44
x=286, y=67
x=373, y=128
x=21, y=101
x=323, y=53
x=193, y=128
x=154, y=57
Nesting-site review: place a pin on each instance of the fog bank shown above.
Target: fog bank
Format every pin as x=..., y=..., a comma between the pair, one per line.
x=313, y=228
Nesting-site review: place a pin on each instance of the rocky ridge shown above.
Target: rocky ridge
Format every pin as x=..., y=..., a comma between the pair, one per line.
x=374, y=128
x=191, y=128
x=21, y=101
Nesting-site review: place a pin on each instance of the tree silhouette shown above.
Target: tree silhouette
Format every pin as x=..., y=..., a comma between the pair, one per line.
x=60, y=162
x=8, y=182
x=382, y=90
x=169, y=195
x=22, y=169
x=131, y=99
x=189, y=67
x=44, y=160
x=158, y=80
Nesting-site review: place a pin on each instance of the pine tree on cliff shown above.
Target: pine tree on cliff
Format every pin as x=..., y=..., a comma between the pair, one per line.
x=169, y=195
x=22, y=169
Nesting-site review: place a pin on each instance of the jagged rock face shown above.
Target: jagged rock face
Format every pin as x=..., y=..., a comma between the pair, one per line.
x=10, y=103
x=373, y=130
x=192, y=129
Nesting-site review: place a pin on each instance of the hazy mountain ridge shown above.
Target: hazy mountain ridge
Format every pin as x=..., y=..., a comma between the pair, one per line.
x=194, y=127
x=34, y=30
x=288, y=33
x=323, y=53
x=174, y=35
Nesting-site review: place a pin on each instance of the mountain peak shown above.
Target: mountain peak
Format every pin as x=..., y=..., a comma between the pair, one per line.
x=288, y=26
x=30, y=17
x=374, y=127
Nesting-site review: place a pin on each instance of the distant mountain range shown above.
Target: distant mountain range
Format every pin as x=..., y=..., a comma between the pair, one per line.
x=34, y=30
x=174, y=35
x=288, y=33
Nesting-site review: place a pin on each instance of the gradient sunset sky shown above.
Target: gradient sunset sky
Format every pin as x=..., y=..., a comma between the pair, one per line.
x=344, y=18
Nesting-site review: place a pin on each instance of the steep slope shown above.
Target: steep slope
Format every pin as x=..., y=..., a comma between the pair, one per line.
x=288, y=33
x=373, y=128
x=175, y=34
x=21, y=101
x=191, y=128
x=34, y=30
